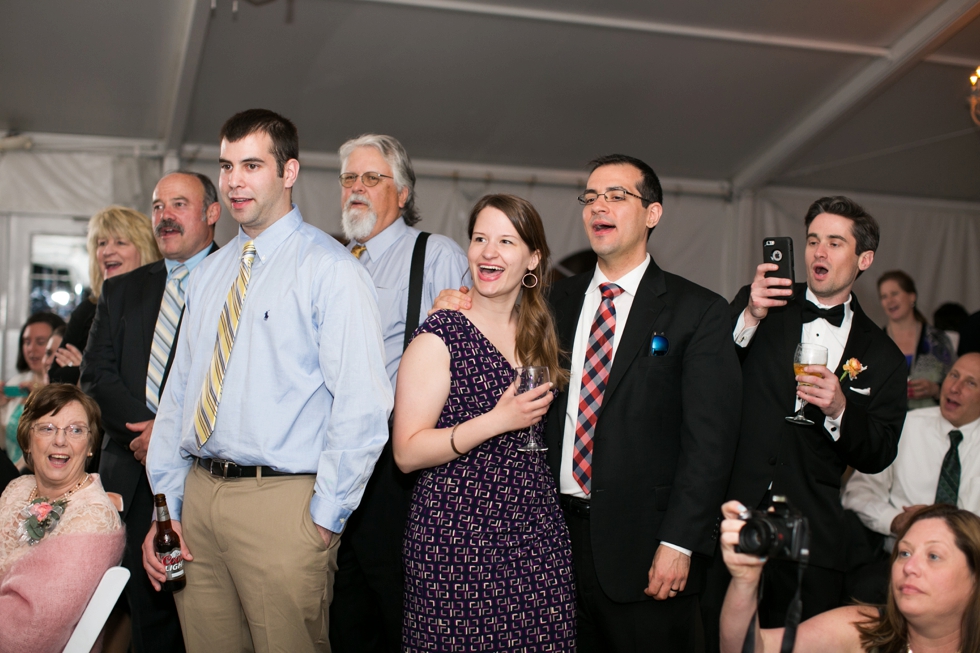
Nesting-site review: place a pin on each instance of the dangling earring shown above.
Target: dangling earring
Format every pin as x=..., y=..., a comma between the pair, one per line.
x=529, y=285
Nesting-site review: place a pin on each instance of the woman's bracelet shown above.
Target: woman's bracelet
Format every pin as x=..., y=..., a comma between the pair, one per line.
x=452, y=440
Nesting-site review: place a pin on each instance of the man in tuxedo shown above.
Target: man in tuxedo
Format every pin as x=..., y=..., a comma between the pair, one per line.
x=858, y=410
x=641, y=442
x=125, y=368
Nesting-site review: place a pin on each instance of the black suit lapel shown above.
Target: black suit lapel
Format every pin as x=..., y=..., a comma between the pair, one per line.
x=152, y=295
x=858, y=339
x=567, y=305
x=647, y=306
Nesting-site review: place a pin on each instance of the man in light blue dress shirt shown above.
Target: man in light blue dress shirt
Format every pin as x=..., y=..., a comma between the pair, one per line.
x=378, y=204
x=301, y=418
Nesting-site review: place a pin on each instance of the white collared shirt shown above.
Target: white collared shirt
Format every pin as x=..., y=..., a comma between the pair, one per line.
x=912, y=479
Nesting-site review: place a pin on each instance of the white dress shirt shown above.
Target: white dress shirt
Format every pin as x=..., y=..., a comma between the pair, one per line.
x=912, y=479
x=817, y=332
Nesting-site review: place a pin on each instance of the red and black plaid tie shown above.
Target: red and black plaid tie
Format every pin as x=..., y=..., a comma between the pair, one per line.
x=595, y=372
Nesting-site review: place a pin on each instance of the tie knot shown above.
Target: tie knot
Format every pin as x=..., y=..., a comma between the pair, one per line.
x=179, y=272
x=610, y=290
x=357, y=250
x=955, y=437
x=248, y=251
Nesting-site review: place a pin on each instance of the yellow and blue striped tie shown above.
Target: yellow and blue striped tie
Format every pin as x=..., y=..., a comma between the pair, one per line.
x=163, y=335
x=207, y=408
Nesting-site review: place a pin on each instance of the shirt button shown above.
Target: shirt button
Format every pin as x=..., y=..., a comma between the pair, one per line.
x=772, y=460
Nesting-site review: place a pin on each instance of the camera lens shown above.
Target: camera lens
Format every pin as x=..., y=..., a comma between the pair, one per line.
x=758, y=537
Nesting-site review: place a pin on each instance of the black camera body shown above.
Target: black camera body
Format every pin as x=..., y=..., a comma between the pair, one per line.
x=781, y=533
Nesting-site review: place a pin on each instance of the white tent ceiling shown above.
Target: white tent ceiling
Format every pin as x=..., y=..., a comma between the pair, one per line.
x=860, y=95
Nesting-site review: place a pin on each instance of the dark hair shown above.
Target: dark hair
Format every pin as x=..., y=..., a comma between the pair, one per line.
x=60, y=331
x=537, y=338
x=50, y=319
x=285, y=138
x=889, y=632
x=50, y=399
x=649, y=186
x=906, y=283
x=397, y=158
x=950, y=317
x=863, y=226
x=210, y=192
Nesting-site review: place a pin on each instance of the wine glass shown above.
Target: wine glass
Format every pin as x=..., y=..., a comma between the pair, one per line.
x=529, y=378
x=806, y=354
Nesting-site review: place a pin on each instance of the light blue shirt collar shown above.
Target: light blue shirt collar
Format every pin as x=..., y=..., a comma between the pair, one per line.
x=269, y=240
x=190, y=263
x=378, y=245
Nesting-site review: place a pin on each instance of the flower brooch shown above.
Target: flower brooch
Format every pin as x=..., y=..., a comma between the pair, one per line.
x=852, y=368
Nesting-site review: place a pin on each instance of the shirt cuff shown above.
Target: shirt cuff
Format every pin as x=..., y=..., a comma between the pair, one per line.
x=741, y=333
x=833, y=425
x=328, y=515
x=686, y=552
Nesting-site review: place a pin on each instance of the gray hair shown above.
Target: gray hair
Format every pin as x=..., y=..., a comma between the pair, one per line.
x=210, y=192
x=397, y=158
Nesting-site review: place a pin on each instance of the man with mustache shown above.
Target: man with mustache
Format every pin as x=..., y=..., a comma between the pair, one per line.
x=125, y=368
x=938, y=461
x=378, y=202
x=856, y=411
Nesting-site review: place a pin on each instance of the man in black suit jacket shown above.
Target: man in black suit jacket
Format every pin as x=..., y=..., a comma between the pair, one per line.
x=114, y=373
x=664, y=437
x=857, y=414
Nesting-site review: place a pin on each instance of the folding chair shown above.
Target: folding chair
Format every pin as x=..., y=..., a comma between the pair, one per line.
x=97, y=612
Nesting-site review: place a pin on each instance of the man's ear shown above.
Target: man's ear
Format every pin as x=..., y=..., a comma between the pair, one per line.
x=212, y=213
x=403, y=197
x=865, y=259
x=654, y=212
x=290, y=172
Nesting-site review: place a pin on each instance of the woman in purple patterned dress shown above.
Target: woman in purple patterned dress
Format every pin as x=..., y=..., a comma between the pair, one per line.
x=488, y=563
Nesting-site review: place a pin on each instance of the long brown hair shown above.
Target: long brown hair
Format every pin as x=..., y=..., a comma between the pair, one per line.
x=890, y=632
x=537, y=339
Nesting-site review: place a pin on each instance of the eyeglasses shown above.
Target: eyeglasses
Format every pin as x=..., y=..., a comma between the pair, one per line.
x=370, y=179
x=72, y=431
x=614, y=195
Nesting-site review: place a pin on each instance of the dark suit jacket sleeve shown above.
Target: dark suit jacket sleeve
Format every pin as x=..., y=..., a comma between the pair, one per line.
x=76, y=333
x=101, y=378
x=872, y=425
x=711, y=395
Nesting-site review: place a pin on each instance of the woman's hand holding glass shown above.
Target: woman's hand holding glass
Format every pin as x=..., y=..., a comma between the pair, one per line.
x=514, y=411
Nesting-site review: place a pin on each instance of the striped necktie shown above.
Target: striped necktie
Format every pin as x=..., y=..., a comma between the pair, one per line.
x=207, y=408
x=595, y=373
x=948, y=488
x=163, y=335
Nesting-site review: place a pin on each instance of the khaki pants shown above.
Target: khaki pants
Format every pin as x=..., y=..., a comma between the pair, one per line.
x=261, y=579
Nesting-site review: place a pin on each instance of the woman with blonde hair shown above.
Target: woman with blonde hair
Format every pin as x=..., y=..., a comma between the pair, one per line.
x=119, y=241
x=486, y=543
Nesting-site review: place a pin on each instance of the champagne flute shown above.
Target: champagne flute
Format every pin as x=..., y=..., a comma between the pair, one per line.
x=529, y=378
x=806, y=354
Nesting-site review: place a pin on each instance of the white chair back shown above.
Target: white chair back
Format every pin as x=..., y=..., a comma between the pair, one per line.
x=97, y=612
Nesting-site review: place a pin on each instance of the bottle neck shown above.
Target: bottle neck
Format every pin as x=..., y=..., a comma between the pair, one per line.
x=163, y=516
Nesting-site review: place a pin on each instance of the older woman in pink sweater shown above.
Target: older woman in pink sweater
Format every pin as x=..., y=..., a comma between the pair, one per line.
x=59, y=531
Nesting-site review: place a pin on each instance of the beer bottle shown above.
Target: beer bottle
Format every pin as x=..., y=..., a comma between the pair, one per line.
x=167, y=546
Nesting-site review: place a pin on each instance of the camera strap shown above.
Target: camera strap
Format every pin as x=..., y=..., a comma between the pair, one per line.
x=793, y=612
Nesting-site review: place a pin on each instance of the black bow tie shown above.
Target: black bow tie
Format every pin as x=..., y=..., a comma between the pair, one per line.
x=833, y=315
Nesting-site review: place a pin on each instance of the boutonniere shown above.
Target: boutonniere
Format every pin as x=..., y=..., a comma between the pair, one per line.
x=40, y=518
x=852, y=368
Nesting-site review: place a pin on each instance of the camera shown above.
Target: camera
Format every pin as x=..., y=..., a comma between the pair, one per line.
x=781, y=533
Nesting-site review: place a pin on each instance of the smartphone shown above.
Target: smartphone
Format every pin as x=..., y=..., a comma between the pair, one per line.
x=15, y=391
x=779, y=250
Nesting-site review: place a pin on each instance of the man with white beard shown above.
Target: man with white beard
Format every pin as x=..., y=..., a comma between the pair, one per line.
x=378, y=201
